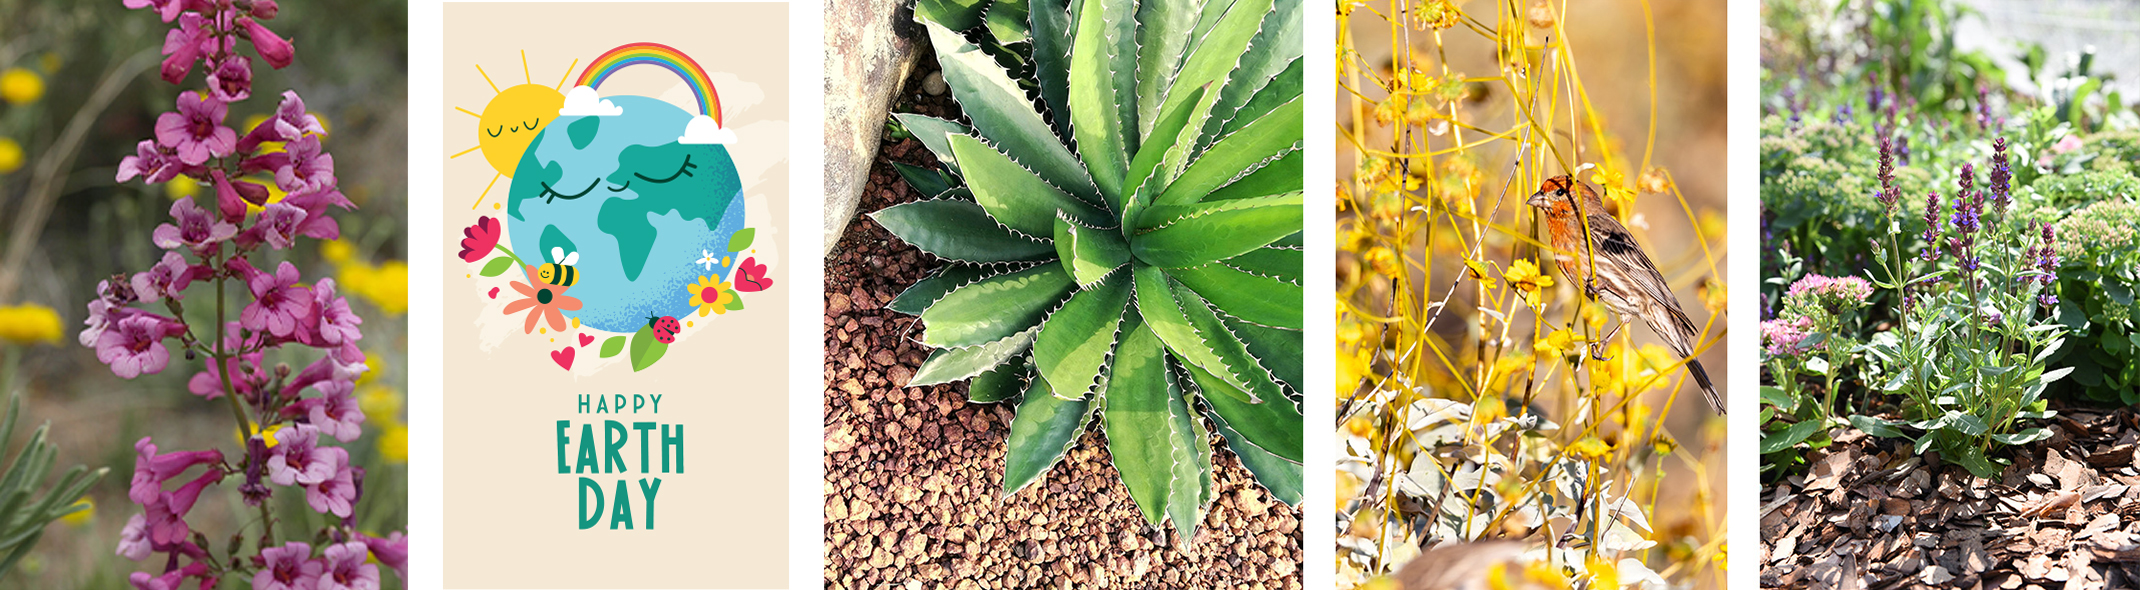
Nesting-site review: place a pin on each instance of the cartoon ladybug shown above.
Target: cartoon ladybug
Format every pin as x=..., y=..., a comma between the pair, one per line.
x=665, y=328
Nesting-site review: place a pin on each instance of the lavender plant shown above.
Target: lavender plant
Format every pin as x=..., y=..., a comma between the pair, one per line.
x=1977, y=321
x=289, y=419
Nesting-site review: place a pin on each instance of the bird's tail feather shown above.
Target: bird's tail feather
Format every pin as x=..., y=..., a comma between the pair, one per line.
x=1701, y=378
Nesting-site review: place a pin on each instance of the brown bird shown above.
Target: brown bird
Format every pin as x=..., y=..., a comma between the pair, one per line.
x=1624, y=279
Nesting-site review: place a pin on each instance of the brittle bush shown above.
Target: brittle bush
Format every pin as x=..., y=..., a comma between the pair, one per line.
x=1468, y=405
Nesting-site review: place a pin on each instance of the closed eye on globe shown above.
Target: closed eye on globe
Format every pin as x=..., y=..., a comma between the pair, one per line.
x=550, y=194
x=684, y=170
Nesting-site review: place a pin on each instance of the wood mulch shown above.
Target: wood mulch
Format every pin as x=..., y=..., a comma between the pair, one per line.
x=912, y=474
x=1870, y=513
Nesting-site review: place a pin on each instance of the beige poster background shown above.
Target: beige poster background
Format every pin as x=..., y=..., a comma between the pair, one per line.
x=510, y=518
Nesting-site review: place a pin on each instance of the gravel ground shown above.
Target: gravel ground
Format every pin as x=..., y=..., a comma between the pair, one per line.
x=912, y=475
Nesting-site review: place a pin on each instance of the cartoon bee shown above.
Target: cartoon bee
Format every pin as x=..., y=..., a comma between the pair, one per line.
x=560, y=271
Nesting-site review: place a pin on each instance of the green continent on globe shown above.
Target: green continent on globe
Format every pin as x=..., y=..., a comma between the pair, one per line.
x=668, y=178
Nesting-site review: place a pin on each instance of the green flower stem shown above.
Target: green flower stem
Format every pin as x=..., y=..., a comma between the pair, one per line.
x=230, y=392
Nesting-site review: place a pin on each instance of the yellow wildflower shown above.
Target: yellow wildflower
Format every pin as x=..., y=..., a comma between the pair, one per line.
x=181, y=187
x=21, y=86
x=393, y=444
x=1590, y=447
x=1478, y=271
x=1604, y=574
x=1556, y=344
x=1351, y=368
x=338, y=251
x=10, y=155
x=380, y=403
x=267, y=434
x=29, y=324
x=83, y=516
x=1524, y=276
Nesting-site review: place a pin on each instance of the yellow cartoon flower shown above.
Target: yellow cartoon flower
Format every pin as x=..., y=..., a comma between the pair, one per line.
x=710, y=295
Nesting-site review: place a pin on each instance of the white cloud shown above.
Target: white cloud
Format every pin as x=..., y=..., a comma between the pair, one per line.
x=703, y=130
x=584, y=102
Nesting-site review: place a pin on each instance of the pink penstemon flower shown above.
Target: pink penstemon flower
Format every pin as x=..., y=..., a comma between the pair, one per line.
x=196, y=129
x=343, y=568
x=279, y=305
x=260, y=314
x=289, y=567
x=299, y=460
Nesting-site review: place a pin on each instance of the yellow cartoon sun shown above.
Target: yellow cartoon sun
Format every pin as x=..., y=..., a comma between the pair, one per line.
x=512, y=119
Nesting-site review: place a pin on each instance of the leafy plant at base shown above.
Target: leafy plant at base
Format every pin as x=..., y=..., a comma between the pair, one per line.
x=1127, y=249
x=23, y=515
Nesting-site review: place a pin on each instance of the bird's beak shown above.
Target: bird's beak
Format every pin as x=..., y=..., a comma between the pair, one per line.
x=1538, y=200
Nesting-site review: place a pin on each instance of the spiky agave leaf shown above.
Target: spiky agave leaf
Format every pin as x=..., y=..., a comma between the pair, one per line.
x=1126, y=250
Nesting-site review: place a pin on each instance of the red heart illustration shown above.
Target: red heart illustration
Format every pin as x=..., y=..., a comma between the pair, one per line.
x=493, y=292
x=586, y=339
x=563, y=358
x=750, y=276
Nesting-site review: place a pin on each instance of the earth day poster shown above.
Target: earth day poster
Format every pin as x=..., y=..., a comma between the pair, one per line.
x=614, y=310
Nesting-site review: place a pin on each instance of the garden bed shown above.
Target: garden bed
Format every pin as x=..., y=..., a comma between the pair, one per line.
x=1871, y=513
x=913, y=476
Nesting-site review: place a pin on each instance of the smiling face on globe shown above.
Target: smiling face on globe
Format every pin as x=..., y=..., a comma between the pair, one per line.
x=640, y=208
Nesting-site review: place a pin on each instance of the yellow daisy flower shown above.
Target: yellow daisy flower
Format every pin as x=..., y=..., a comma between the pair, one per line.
x=710, y=295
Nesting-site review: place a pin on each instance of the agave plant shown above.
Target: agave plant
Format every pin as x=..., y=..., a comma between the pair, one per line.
x=1121, y=213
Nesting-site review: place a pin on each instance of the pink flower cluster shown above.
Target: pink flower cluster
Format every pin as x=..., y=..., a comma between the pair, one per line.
x=1830, y=293
x=1782, y=337
x=215, y=248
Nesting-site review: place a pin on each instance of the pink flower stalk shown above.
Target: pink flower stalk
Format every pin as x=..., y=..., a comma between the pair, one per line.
x=196, y=228
x=279, y=305
x=297, y=458
x=289, y=567
x=152, y=469
x=278, y=311
x=134, y=346
x=345, y=568
x=196, y=130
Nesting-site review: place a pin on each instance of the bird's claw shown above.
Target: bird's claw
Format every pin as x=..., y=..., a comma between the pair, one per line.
x=1597, y=352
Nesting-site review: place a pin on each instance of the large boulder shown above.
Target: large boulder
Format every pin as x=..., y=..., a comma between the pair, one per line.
x=871, y=46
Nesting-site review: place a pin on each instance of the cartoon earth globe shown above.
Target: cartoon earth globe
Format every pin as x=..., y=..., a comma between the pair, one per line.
x=641, y=209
